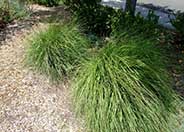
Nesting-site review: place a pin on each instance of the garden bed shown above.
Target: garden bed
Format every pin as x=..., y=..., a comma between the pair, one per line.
x=113, y=76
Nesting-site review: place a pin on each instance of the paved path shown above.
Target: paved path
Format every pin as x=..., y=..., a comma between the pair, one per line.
x=164, y=16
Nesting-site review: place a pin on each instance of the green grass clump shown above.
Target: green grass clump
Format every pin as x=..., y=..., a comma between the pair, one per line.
x=125, y=88
x=57, y=51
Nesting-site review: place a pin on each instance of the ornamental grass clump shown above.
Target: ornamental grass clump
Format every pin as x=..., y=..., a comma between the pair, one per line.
x=125, y=88
x=57, y=51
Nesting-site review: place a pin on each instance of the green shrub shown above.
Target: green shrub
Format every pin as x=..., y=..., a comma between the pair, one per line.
x=94, y=17
x=81, y=5
x=97, y=21
x=49, y=3
x=177, y=39
x=125, y=88
x=57, y=51
x=102, y=20
x=178, y=23
x=138, y=25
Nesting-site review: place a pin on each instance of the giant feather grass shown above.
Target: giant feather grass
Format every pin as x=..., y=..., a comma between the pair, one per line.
x=57, y=51
x=125, y=88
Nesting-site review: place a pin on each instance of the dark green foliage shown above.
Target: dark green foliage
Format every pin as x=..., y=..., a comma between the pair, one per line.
x=47, y=2
x=152, y=18
x=125, y=88
x=178, y=23
x=81, y=5
x=57, y=51
x=97, y=21
x=178, y=36
x=94, y=17
x=102, y=20
x=125, y=24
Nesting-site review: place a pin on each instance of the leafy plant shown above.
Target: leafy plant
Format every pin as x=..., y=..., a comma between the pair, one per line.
x=81, y=5
x=152, y=17
x=178, y=23
x=126, y=25
x=125, y=88
x=178, y=36
x=102, y=20
x=95, y=18
x=57, y=51
x=97, y=21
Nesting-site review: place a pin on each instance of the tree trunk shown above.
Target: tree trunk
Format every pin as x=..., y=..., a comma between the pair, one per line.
x=131, y=6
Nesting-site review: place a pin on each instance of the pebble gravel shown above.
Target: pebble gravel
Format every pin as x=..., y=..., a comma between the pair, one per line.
x=29, y=102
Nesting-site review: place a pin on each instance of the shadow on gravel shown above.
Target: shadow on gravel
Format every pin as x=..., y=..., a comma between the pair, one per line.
x=55, y=14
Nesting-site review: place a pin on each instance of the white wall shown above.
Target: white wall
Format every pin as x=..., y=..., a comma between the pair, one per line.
x=172, y=4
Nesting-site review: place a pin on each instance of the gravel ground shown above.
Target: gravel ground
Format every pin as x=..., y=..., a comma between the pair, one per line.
x=28, y=101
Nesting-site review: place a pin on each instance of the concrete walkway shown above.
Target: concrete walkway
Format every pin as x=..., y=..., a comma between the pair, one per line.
x=164, y=16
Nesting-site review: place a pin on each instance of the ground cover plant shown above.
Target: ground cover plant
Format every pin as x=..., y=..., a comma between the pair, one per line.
x=125, y=87
x=57, y=51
